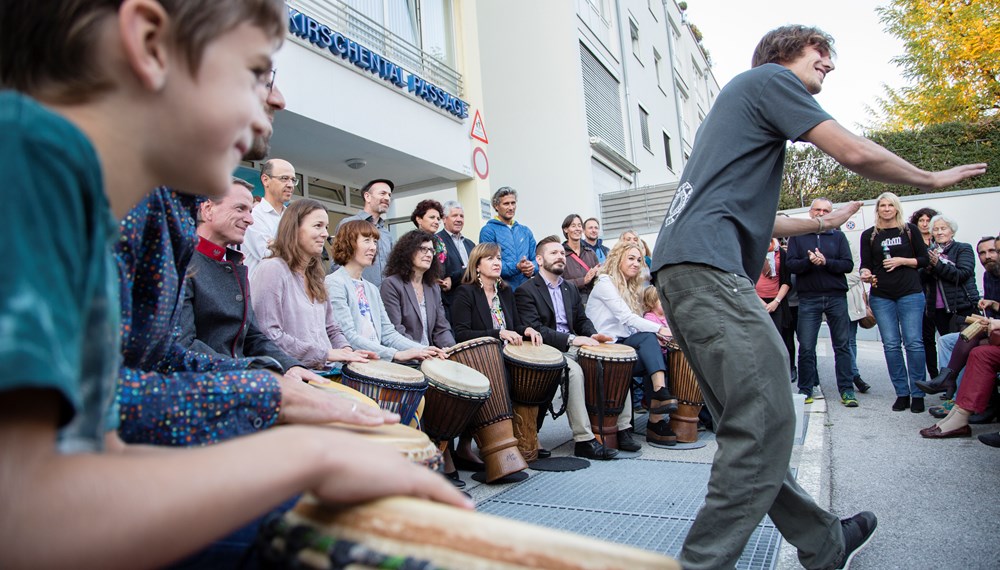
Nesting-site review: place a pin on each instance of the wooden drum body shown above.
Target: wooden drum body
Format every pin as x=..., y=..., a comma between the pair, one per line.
x=455, y=393
x=494, y=430
x=395, y=387
x=607, y=374
x=684, y=386
x=402, y=532
x=534, y=373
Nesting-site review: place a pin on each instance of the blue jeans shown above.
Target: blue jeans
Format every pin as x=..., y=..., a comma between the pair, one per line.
x=852, y=342
x=945, y=346
x=811, y=311
x=900, y=322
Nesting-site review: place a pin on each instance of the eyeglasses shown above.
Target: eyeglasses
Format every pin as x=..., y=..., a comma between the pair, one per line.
x=270, y=82
x=286, y=179
x=426, y=250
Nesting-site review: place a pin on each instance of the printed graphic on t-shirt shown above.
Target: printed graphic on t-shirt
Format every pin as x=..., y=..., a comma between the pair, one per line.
x=898, y=240
x=677, y=205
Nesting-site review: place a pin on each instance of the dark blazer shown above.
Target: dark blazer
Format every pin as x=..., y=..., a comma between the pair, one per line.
x=453, y=263
x=470, y=313
x=534, y=306
x=216, y=315
x=955, y=278
x=404, y=312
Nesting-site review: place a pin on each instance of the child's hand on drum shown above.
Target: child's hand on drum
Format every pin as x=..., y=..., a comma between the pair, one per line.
x=358, y=471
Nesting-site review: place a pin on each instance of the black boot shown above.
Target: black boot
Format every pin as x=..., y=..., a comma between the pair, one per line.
x=943, y=382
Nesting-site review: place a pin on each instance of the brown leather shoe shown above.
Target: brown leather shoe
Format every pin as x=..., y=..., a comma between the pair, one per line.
x=934, y=432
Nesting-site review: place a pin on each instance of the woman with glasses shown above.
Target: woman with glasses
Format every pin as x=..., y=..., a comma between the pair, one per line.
x=411, y=294
x=892, y=252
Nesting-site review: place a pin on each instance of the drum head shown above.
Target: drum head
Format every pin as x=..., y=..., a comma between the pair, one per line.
x=605, y=351
x=412, y=443
x=383, y=370
x=455, y=377
x=542, y=355
x=471, y=343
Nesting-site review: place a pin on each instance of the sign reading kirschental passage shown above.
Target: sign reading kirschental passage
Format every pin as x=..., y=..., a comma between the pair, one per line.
x=340, y=45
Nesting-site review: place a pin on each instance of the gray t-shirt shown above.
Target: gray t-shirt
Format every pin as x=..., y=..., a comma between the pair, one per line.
x=723, y=212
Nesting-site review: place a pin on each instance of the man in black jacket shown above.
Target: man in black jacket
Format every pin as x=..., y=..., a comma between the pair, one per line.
x=457, y=247
x=821, y=262
x=554, y=308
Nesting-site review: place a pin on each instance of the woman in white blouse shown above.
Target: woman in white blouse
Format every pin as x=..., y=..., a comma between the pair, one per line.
x=287, y=292
x=357, y=303
x=615, y=309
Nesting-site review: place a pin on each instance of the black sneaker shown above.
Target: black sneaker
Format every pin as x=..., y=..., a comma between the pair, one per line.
x=901, y=403
x=917, y=405
x=662, y=401
x=659, y=434
x=861, y=385
x=858, y=530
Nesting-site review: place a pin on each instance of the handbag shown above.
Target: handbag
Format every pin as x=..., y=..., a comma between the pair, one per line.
x=868, y=321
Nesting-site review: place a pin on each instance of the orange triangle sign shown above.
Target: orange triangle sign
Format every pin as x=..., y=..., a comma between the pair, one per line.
x=478, y=130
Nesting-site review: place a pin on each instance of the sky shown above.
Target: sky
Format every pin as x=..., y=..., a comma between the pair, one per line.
x=732, y=28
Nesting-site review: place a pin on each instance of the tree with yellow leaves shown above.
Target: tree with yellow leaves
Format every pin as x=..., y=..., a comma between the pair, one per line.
x=951, y=59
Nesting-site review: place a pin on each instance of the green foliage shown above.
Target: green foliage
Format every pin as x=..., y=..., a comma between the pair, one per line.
x=809, y=173
x=951, y=59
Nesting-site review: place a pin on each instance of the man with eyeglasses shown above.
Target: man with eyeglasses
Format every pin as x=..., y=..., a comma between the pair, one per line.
x=278, y=177
x=821, y=262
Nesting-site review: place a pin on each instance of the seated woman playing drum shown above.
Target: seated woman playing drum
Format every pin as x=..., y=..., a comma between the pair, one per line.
x=288, y=297
x=411, y=292
x=357, y=304
x=614, y=308
x=484, y=306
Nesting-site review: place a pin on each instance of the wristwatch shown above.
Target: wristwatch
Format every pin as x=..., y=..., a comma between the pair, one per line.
x=569, y=340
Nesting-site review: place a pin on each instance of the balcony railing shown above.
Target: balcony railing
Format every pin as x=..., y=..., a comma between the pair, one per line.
x=362, y=29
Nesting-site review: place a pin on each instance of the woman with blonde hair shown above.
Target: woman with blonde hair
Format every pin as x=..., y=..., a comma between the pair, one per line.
x=892, y=251
x=615, y=306
x=287, y=293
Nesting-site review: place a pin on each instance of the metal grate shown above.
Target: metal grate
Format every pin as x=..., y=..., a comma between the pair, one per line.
x=602, y=97
x=596, y=502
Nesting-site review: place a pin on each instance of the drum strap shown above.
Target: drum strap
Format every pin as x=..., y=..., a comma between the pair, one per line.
x=563, y=389
x=600, y=392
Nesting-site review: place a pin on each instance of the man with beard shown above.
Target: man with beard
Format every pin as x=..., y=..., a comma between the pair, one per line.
x=553, y=307
x=951, y=347
x=278, y=178
x=378, y=196
x=592, y=235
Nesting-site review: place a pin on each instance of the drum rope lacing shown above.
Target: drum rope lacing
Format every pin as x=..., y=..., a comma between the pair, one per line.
x=280, y=543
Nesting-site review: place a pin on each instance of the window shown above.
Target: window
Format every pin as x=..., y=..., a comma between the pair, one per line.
x=656, y=66
x=634, y=31
x=644, y=129
x=667, y=152
x=602, y=97
x=436, y=26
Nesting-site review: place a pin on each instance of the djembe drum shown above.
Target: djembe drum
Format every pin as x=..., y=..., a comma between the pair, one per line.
x=494, y=430
x=607, y=377
x=402, y=532
x=684, y=386
x=534, y=373
x=395, y=387
x=412, y=443
x=454, y=393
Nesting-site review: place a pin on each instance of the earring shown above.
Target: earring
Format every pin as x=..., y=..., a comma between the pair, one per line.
x=479, y=279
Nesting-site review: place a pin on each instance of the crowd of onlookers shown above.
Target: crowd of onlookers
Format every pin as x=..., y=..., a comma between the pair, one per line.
x=921, y=289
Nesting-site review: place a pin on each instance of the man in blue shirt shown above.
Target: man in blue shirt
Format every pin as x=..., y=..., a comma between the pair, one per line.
x=517, y=243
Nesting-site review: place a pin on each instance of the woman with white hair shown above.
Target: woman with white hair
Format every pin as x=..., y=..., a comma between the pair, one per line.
x=892, y=252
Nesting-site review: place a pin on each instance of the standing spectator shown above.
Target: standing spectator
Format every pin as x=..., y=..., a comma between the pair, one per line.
x=278, y=178
x=922, y=219
x=515, y=239
x=581, y=265
x=427, y=217
x=377, y=195
x=592, y=234
x=891, y=254
x=292, y=307
x=949, y=278
x=457, y=248
x=819, y=263
x=773, y=284
x=857, y=309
